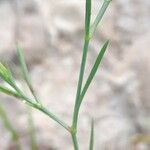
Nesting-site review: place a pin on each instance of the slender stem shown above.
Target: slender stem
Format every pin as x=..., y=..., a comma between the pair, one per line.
x=54, y=117
x=83, y=61
x=40, y=107
x=75, y=142
x=81, y=74
x=75, y=115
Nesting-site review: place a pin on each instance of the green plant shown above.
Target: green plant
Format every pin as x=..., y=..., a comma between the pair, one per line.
x=14, y=134
x=15, y=91
x=9, y=127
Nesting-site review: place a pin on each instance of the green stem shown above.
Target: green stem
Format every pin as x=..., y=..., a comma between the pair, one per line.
x=36, y=105
x=39, y=106
x=83, y=61
x=75, y=142
x=52, y=116
x=75, y=115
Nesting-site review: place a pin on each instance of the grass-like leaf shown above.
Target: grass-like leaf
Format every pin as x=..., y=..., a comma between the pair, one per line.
x=25, y=71
x=5, y=74
x=9, y=127
x=32, y=132
x=99, y=16
x=9, y=91
x=94, y=70
x=23, y=65
x=91, y=143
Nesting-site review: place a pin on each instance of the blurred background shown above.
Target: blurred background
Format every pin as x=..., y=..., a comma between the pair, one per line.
x=51, y=34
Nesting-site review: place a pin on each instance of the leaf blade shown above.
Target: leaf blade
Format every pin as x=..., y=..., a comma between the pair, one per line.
x=9, y=91
x=99, y=17
x=23, y=65
x=25, y=71
x=91, y=142
x=93, y=70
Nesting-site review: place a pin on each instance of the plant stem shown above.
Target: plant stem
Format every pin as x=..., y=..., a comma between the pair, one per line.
x=54, y=117
x=75, y=114
x=89, y=31
x=43, y=109
x=83, y=61
x=75, y=142
x=81, y=74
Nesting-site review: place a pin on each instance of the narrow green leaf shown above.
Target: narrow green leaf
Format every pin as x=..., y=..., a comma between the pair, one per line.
x=99, y=16
x=25, y=71
x=8, y=125
x=9, y=91
x=32, y=132
x=5, y=74
x=93, y=71
x=87, y=19
x=23, y=65
x=91, y=143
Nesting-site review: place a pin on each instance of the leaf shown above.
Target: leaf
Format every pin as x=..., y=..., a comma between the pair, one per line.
x=23, y=65
x=93, y=71
x=25, y=71
x=5, y=74
x=87, y=19
x=9, y=127
x=99, y=16
x=9, y=91
x=32, y=131
x=91, y=143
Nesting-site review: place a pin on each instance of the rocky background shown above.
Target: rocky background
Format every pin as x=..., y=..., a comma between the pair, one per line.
x=51, y=33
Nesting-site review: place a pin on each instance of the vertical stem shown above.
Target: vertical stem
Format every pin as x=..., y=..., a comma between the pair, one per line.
x=75, y=142
x=83, y=61
x=81, y=74
x=75, y=114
